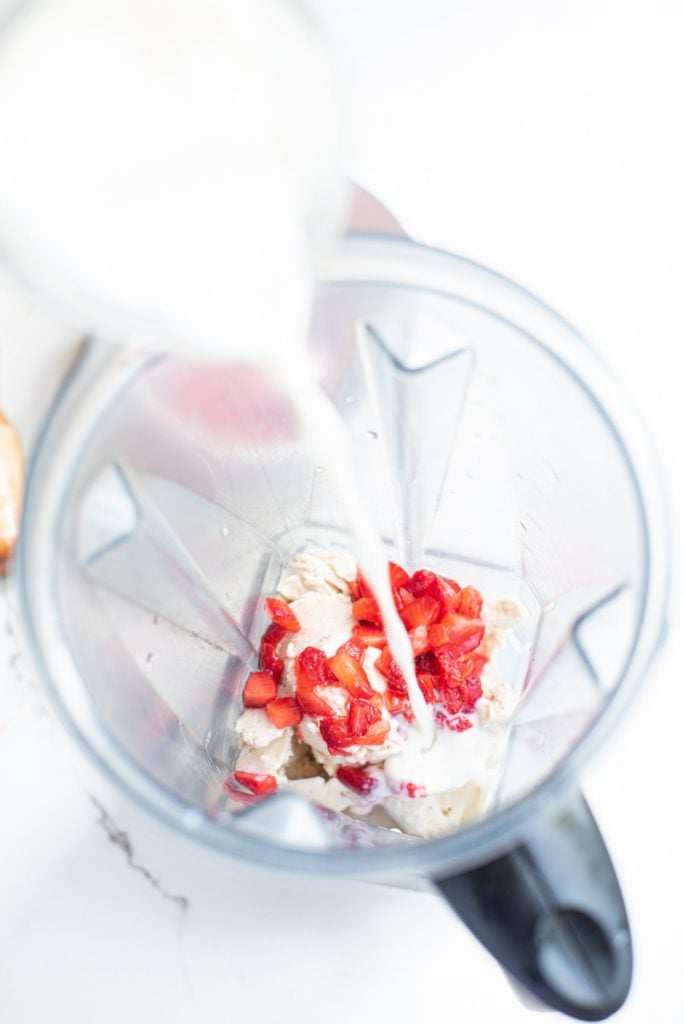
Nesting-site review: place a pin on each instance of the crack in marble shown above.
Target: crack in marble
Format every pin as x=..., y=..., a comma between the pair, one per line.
x=121, y=839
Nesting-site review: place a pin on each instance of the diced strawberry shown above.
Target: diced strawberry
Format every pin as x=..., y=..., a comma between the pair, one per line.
x=459, y=723
x=281, y=613
x=472, y=664
x=363, y=588
x=238, y=795
x=397, y=703
x=355, y=588
x=366, y=610
x=472, y=691
x=429, y=686
x=361, y=716
x=369, y=636
x=335, y=733
x=449, y=594
x=350, y=674
x=284, y=712
x=421, y=582
x=449, y=665
x=259, y=690
x=256, y=783
x=452, y=584
x=313, y=675
x=354, y=648
x=428, y=584
x=388, y=667
x=461, y=634
x=311, y=703
x=356, y=778
x=422, y=611
x=427, y=663
x=453, y=698
x=376, y=735
x=471, y=603
x=419, y=640
x=268, y=658
x=415, y=791
x=398, y=576
x=312, y=668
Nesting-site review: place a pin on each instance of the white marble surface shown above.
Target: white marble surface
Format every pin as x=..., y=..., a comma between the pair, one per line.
x=544, y=139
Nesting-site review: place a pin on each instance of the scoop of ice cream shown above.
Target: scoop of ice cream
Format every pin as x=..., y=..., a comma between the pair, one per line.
x=319, y=572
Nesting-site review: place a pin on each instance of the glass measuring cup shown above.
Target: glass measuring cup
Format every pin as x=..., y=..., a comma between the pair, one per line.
x=165, y=497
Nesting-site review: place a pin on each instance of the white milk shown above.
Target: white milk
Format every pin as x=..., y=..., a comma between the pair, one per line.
x=169, y=169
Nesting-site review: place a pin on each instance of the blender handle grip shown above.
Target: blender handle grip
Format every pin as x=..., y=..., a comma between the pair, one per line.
x=552, y=914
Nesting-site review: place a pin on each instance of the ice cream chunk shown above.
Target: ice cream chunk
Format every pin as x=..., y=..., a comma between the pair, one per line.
x=325, y=619
x=318, y=572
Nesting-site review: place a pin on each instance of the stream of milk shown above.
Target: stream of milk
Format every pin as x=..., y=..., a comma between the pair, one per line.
x=171, y=170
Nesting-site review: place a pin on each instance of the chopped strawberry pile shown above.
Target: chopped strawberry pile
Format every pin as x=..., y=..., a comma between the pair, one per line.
x=444, y=624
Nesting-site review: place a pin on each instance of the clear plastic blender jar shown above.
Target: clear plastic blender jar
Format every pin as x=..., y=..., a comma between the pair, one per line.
x=166, y=496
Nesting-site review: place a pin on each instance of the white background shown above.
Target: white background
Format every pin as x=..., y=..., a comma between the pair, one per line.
x=544, y=139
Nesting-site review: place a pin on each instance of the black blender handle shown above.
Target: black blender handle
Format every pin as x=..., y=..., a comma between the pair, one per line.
x=552, y=914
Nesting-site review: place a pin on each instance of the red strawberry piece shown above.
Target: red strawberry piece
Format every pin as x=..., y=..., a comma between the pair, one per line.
x=356, y=779
x=415, y=791
x=388, y=667
x=281, y=613
x=363, y=588
x=472, y=691
x=255, y=783
x=449, y=594
x=457, y=723
x=335, y=732
x=397, y=703
x=397, y=579
x=312, y=667
x=361, y=716
x=419, y=640
x=472, y=664
x=366, y=610
x=422, y=582
x=313, y=675
x=355, y=588
x=369, y=636
x=376, y=735
x=398, y=576
x=312, y=703
x=350, y=674
x=453, y=585
x=461, y=634
x=453, y=698
x=427, y=663
x=284, y=712
x=471, y=603
x=422, y=611
x=429, y=686
x=428, y=584
x=269, y=660
x=449, y=665
x=354, y=648
x=259, y=690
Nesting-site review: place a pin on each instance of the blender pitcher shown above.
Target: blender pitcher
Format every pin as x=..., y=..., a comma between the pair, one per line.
x=166, y=496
